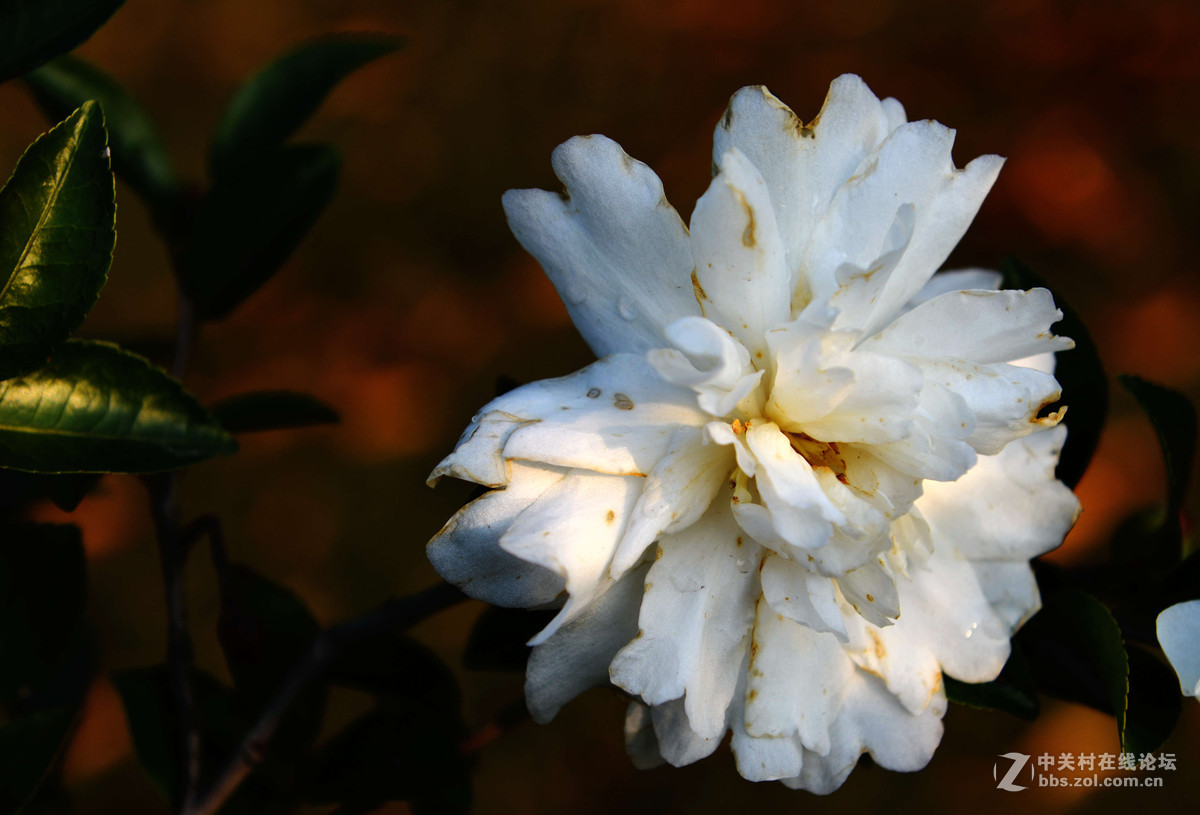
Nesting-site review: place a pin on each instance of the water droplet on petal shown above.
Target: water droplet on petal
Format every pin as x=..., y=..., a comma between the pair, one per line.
x=743, y=565
x=626, y=308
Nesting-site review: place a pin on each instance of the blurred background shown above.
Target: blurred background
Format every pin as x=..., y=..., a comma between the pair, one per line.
x=410, y=298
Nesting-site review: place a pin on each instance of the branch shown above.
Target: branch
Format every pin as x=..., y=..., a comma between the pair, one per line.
x=328, y=645
x=179, y=639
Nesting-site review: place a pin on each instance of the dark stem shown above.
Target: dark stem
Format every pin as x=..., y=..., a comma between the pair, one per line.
x=329, y=644
x=208, y=525
x=179, y=639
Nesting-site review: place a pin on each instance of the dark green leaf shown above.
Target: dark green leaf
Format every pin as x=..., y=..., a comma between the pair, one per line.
x=1079, y=372
x=1076, y=652
x=398, y=667
x=34, y=31
x=264, y=629
x=59, y=228
x=96, y=408
x=1154, y=703
x=249, y=224
x=138, y=155
x=1012, y=692
x=395, y=755
x=271, y=410
x=498, y=640
x=42, y=596
x=65, y=491
x=274, y=103
x=29, y=749
x=1174, y=418
x=150, y=711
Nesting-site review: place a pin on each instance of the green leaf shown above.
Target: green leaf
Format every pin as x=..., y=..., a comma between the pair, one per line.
x=1154, y=703
x=274, y=103
x=1076, y=652
x=43, y=589
x=1013, y=691
x=1174, y=418
x=138, y=155
x=1079, y=372
x=498, y=640
x=271, y=410
x=249, y=224
x=264, y=629
x=393, y=755
x=96, y=408
x=34, y=31
x=30, y=748
x=398, y=667
x=59, y=228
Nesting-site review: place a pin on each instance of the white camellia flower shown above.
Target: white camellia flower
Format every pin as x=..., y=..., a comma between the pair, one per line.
x=805, y=477
x=1179, y=636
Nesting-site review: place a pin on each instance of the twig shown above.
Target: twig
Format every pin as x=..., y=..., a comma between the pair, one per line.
x=394, y=614
x=179, y=639
x=509, y=717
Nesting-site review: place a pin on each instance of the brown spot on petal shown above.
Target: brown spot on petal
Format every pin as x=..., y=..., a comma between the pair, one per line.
x=880, y=651
x=749, y=238
x=622, y=402
x=612, y=516
x=752, y=695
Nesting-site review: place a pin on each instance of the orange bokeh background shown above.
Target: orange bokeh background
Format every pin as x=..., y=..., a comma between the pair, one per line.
x=410, y=298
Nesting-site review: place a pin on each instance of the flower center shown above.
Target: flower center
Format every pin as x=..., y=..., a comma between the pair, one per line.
x=819, y=453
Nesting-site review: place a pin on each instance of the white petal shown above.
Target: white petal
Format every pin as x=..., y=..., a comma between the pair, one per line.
x=798, y=594
x=695, y=622
x=1011, y=589
x=956, y=280
x=678, y=743
x=878, y=407
x=745, y=285
x=573, y=529
x=677, y=492
x=900, y=656
x=912, y=166
x=938, y=445
x=872, y=721
x=477, y=456
x=944, y=604
x=1004, y=400
x=1008, y=506
x=641, y=742
x=801, y=513
x=576, y=658
x=615, y=249
x=467, y=554
x=871, y=591
x=615, y=416
x=710, y=362
x=979, y=326
x=879, y=479
x=1179, y=635
x=761, y=758
x=797, y=678
x=804, y=166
